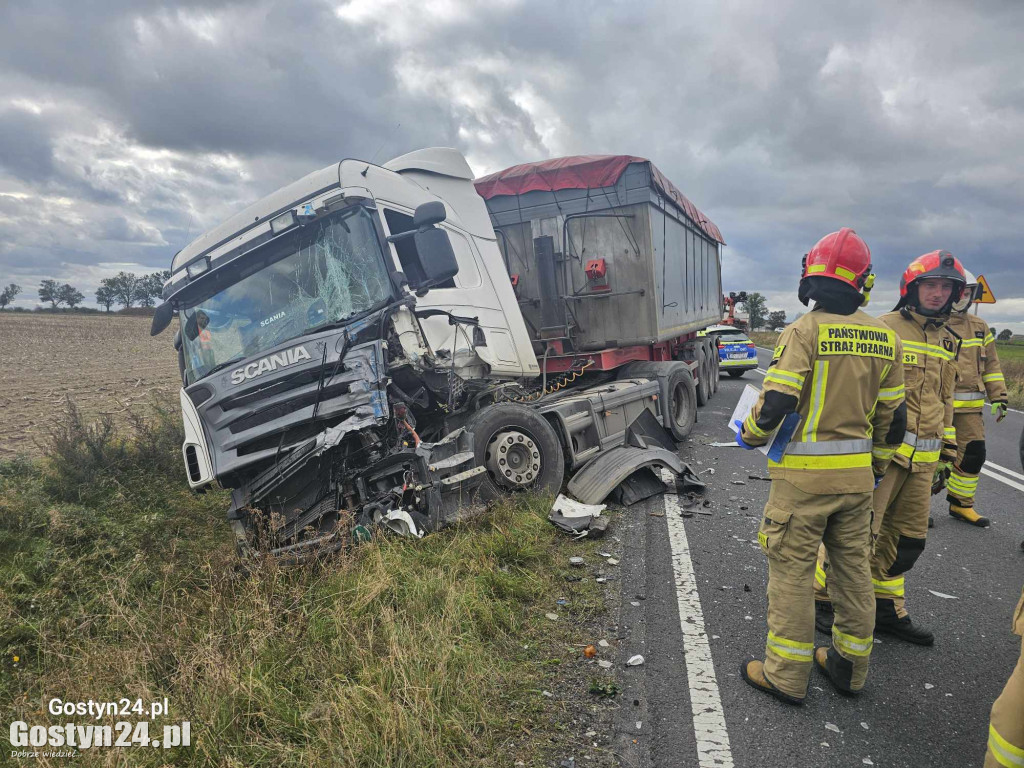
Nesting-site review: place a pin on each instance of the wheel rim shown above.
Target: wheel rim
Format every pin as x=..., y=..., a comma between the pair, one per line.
x=680, y=405
x=513, y=459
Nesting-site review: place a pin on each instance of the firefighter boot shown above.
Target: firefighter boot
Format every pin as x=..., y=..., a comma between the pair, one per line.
x=838, y=670
x=752, y=673
x=889, y=622
x=968, y=515
x=823, y=616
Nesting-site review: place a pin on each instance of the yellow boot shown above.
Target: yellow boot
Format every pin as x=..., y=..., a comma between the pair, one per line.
x=968, y=515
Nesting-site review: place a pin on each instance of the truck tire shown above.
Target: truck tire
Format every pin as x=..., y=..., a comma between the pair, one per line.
x=677, y=390
x=716, y=370
x=518, y=448
x=704, y=371
x=682, y=402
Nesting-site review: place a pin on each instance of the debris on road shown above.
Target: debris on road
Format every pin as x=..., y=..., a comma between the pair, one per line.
x=832, y=727
x=579, y=562
x=733, y=444
x=928, y=686
x=943, y=595
x=576, y=518
x=590, y=651
x=552, y=616
x=603, y=643
x=635, y=661
x=604, y=664
x=612, y=561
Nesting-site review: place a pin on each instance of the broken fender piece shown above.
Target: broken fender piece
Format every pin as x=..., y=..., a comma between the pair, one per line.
x=578, y=519
x=600, y=477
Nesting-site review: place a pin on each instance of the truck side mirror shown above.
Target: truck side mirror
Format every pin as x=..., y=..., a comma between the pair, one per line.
x=429, y=214
x=161, y=318
x=425, y=251
x=437, y=258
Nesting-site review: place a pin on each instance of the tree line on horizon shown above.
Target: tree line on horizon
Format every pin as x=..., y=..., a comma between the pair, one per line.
x=759, y=316
x=125, y=288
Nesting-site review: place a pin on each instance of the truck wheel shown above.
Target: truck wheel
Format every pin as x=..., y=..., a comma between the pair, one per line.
x=682, y=403
x=519, y=450
x=704, y=371
x=736, y=374
x=715, y=369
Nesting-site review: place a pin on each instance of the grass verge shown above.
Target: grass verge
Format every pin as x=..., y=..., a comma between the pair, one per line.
x=766, y=339
x=120, y=583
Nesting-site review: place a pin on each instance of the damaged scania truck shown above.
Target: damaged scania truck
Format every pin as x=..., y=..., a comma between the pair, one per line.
x=394, y=345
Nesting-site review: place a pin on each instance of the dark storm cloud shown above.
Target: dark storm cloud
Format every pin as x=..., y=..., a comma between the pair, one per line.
x=127, y=130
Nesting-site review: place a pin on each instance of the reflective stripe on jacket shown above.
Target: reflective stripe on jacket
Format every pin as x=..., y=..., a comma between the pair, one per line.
x=844, y=373
x=929, y=373
x=978, y=371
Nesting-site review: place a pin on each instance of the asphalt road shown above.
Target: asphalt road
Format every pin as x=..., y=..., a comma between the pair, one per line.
x=694, y=605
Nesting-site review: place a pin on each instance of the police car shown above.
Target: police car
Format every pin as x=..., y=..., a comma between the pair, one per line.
x=737, y=354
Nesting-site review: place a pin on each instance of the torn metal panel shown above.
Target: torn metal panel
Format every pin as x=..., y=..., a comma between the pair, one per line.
x=594, y=482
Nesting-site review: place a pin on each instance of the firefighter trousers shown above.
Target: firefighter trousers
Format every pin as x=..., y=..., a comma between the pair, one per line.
x=794, y=525
x=970, y=457
x=899, y=525
x=1006, y=725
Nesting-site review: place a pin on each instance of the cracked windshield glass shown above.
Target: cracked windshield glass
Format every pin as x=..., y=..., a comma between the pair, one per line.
x=332, y=270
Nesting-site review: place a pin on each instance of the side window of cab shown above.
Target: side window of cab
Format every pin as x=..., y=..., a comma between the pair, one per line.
x=468, y=275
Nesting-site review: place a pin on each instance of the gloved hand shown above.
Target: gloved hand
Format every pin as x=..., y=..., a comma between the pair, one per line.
x=999, y=411
x=739, y=437
x=942, y=471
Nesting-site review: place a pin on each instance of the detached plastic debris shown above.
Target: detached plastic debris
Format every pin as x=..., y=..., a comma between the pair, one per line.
x=635, y=661
x=577, y=518
x=943, y=595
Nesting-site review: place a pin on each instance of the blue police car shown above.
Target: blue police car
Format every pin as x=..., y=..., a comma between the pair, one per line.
x=737, y=354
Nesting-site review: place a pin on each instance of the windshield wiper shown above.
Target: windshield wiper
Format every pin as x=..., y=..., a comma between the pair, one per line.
x=225, y=364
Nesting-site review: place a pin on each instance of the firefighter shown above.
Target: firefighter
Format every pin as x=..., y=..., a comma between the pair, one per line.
x=928, y=289
x=839, y=369
x=1006, y=723
x=978, y=375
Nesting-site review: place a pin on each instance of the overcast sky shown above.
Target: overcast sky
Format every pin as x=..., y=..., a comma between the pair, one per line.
x=128, y=127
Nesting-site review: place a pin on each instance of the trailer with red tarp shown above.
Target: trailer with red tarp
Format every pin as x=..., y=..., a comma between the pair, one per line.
x=609, y=260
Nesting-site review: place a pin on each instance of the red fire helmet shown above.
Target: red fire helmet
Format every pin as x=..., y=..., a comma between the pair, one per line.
x=933, y=265
x=842, y=255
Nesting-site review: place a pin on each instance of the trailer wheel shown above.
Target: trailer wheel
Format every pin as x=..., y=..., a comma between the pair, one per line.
x=713, y=363
x=704, y=372
x=682, y=405
x=735, y=374
x=519, y=449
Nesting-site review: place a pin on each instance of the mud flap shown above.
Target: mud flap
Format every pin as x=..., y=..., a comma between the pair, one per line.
x=600, y=477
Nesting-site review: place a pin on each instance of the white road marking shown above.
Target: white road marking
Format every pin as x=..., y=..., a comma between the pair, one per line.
x=1001, y=479
x=1004, y=470
x=762, y=371
x=713, y=749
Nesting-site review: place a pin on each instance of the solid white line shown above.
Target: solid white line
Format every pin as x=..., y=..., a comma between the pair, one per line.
x=1001, y=479
x=708, y=716
x=762, y=371
x=1004, y=470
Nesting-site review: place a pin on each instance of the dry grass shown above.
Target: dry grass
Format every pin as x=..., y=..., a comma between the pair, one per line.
x=766, y=339
x=121, y=583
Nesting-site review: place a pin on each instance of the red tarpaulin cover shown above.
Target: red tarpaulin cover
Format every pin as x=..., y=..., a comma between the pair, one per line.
x=585, y=172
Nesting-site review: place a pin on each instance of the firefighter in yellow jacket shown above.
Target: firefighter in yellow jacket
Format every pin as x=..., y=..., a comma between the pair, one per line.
x=1006, y=723
x=928, y=289
x=840, y=370
x=978, y=376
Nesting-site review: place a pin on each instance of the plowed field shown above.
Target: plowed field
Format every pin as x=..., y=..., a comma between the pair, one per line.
x=107, y=364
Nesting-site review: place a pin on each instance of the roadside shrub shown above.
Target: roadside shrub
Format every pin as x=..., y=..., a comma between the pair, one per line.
x=86, y=458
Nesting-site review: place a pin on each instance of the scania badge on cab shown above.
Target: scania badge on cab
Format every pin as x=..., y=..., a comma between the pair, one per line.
x=379, y=346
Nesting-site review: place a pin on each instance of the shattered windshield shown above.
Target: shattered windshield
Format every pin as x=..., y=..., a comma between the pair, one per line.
x=324, y=272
